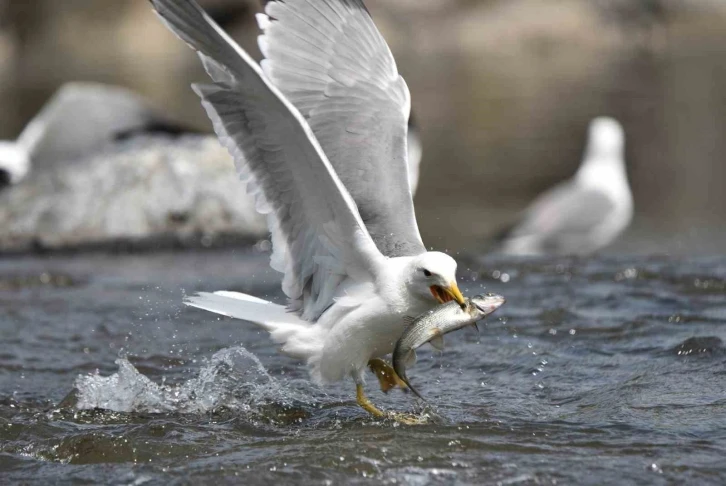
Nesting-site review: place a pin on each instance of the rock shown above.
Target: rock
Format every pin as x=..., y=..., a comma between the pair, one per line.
x=700, y=345
x=141, y=191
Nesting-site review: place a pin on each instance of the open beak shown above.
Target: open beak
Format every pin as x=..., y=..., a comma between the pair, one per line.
x=447, y=294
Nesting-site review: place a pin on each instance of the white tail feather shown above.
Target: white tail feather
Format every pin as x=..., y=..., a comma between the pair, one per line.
x=297, y=336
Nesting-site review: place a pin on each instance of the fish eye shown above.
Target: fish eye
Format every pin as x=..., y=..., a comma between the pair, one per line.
x=426, y=272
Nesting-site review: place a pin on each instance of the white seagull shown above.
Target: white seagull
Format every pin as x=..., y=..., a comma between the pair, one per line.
x=318, y=133
x=80, y=119
x=585, y=213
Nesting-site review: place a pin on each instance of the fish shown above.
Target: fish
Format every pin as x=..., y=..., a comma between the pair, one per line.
x=432, y=325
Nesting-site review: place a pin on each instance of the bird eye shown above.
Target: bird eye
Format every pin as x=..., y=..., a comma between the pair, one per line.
x=426, y=272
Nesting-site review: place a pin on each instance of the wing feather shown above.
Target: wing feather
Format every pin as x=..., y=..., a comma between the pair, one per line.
x=319, y=239
x=330, y=61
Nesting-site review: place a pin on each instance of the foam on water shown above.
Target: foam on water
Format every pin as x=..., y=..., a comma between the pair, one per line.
x=233, y=378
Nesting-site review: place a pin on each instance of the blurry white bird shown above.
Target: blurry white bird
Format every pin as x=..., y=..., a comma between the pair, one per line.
x=318, y=133
x=585, y=213
x=80, y=119
x=14, y=162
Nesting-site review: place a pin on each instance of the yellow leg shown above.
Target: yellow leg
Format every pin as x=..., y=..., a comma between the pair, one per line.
x=366, y=404
x=387, y=376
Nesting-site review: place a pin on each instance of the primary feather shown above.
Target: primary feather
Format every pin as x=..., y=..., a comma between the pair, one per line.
x=330, y=61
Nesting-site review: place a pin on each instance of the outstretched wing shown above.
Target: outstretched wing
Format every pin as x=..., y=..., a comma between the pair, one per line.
x=330, y=61
x=319, y=239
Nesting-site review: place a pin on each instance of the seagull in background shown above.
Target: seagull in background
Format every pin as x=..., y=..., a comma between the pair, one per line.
x=318, y=133
x=585, y=213
x=80, y=119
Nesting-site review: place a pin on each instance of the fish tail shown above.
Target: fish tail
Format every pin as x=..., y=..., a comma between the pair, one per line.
x=411, y=387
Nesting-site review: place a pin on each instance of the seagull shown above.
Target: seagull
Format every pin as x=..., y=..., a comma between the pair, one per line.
x=585, y=213
x=14, y=163
x=318, y=134
x=81, y=118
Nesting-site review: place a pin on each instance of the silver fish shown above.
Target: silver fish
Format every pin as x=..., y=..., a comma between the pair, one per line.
x=432, y=325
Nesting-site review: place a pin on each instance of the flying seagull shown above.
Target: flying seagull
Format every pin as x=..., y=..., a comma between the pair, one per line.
x=585, y=213
x=318, y=133
x=80, y=119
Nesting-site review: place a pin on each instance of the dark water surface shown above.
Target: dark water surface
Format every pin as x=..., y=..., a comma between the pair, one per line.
x=596, y=371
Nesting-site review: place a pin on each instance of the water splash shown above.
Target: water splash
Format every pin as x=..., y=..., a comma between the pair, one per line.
x=234, y=378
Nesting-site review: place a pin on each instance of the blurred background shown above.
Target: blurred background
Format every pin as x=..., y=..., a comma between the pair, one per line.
x=502, y=91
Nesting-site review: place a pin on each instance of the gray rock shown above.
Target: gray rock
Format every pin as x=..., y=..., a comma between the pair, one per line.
x=178, y=190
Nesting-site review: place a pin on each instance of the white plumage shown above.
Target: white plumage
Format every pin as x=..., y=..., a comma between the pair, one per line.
x=319, y=136
x=585, y=213
x=80, y=119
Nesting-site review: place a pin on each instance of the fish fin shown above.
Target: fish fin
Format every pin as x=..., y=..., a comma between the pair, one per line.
x=410, y=359
x=438, y=342
x=414, y=390
x=408, y=320
x=476, y=327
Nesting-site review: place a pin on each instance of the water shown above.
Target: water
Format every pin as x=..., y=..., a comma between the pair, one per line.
x=605, y=370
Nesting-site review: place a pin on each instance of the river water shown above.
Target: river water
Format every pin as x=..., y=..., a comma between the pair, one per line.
x=596, y=371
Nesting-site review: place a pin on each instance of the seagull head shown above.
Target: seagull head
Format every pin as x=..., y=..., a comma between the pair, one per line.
x=604, y=163
x=14, y=162
x=605, y=137
x=434, y=274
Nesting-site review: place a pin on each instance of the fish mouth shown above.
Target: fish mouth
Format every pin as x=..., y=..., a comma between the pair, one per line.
x=447, y=294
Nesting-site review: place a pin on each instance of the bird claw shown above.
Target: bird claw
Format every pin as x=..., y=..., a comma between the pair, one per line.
x=401, y=418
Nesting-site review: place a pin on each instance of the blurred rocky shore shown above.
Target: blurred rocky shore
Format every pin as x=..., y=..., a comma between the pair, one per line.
x=502, y=89
x=147, y=192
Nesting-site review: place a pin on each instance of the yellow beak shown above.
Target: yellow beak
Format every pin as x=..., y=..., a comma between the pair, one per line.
x=446, y=294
